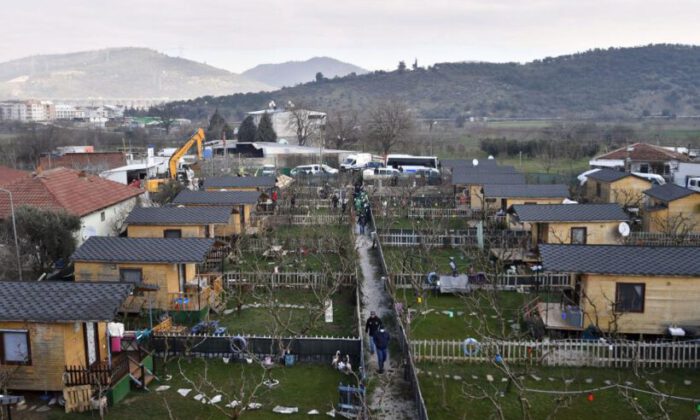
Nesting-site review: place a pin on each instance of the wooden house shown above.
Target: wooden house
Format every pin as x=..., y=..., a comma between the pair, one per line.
x=47, y=327
x=671, y=209
x=502, y=196
x=468, y=182
x=263, y=184
x=626, y=289
x=569, y=223
x=179, y=222
x=643, y=158
x=242, y=202
x=612, y=186
x=166, y=273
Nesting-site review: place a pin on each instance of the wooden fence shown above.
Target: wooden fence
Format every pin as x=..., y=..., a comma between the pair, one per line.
x=99, y=374
x=289, y=279
x=307, y=219
x=662, y=239
x=313, y=245
x=454, y=238
x=502, y=281
x=582, y=353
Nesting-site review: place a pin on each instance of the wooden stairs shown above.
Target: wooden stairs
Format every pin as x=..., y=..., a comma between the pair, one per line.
x=140, y=375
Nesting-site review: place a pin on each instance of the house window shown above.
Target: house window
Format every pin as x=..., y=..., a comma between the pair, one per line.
x=14, y=347
x=102, y=216
x=597, y=189
x=644, y=168
x=172, y=233
x=131, y=275
x=578, y=235
x=629, y=297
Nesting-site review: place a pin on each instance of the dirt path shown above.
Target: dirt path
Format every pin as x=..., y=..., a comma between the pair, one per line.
x=390, y=397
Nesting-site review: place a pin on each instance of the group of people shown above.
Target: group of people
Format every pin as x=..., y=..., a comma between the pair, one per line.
x=362, y=209
x=378, y=339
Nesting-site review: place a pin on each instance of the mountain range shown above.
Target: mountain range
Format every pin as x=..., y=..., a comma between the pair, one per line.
x=137, y=73
x=292, y=73
x=603, y=83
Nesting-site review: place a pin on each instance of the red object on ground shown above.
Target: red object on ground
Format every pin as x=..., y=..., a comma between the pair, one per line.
x=590, y=397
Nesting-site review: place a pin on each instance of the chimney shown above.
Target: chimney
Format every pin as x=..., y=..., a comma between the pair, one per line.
x=82, y=174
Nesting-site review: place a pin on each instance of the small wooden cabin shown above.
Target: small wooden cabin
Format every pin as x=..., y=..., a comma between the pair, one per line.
x=242, y=202
x=671, y=209
x=164, y=272
x=502, y=196
x=593, y=224
x=263, y=184
x=179, y=222
x=611, y=186
x=468, y=182
x=47, y=326
x=629, y=289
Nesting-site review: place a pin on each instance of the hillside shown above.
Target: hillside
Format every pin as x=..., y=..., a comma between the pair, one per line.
x=624, y=82
x=117, y=73
x=292, y=73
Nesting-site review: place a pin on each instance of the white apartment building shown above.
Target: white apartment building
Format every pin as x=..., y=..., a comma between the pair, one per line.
x=27, y=111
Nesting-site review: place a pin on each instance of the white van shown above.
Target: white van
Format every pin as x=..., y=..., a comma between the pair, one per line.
x=380, y=173
x=313, y=170
x=356, y=162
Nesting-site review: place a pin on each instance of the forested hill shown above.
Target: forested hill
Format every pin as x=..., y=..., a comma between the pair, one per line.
x=620, y=82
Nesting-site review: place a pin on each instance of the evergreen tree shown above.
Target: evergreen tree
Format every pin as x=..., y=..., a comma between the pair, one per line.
x=265, y=131
x=402, y=66
x=218, y=127
x=247, y=129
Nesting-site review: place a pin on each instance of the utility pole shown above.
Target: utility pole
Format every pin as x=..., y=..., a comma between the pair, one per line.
x=14, y=230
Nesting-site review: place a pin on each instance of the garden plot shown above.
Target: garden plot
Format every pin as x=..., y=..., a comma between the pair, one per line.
x=484, y=391
x=419, y=260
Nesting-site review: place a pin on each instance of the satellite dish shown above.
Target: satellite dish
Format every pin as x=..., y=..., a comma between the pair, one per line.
x=491, y=157
x=624, y=229
x=475, y=162
x=87, y=232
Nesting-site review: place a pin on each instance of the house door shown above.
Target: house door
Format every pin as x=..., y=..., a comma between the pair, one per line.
x=91, y=350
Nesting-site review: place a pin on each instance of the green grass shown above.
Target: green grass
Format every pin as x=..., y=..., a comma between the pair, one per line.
x=261, y=321
x=305, y=386
x=300, y=231
x=412, y=259
x=292, y=262
x=542, y=165
x=415, y=223
x=445, y=397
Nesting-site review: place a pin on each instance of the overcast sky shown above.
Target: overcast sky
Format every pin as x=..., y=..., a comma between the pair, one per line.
x=374, y=34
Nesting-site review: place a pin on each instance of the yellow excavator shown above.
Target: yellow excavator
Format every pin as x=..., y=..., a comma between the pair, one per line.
x=197, y=138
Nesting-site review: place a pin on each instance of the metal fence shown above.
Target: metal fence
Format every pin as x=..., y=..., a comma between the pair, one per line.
x=454, y=238
x=504, y=281
x=581, y=353
x=289, y=279
x=662, y=239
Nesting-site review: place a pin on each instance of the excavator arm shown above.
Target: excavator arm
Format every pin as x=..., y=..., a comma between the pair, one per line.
x=197, y=138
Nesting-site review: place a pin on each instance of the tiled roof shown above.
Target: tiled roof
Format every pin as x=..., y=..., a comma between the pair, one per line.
x=481, y=175
x=217, y=198
x=239, y=182
x=9, y=175
x=66, y=189
x=526, y=191
x=643, y=152
x=608, y=175
x=569, y=212
x=179, y=215
x=59, y=301
x=93, y=162
x=668, y=192
x=620, y=259
x=145, y=250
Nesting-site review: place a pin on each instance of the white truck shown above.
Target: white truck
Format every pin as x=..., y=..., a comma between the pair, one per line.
x=687, y=175
x=356, y=162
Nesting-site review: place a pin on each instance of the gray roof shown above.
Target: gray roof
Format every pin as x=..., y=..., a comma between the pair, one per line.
x=217, y=198
x=668, y=192
x=145, y=250
x=619, y=259
x=59, y=301
x=526, y=191
x=608, y=175
x=239, y=182
x=179, y=215
x=569, y=212
x=486, y=175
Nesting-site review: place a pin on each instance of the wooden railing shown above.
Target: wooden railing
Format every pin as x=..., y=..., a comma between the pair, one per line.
x=502, y=281
x=588, y=353
x=189, y=301
x=454, y=238
x=99, y=374
x=289, y=279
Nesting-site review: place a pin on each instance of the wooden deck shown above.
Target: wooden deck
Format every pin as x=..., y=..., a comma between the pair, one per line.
x=554, y=317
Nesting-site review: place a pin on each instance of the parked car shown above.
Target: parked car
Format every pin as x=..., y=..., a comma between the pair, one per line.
x=374, y=164
x=269, y=170
x=313, y=170
x=380, y=173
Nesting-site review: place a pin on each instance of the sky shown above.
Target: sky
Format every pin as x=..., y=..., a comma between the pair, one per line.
x=374, y=34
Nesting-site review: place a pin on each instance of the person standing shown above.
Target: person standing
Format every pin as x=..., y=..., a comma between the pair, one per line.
x=334, y=201
x=362, y=221
x=373, y=324
x=453, y=266
x=381, y=341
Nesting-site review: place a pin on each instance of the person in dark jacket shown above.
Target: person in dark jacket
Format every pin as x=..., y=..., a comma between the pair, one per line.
x=381, y=341
x=373, y=324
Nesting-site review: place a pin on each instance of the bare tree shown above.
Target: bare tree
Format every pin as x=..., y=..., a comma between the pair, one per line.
x=303, y=122
x=389, y=124
x=343, y=129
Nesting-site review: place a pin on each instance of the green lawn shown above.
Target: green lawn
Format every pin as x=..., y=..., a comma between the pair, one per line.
x=304, y=386
x=261, y=321
x=415, y=223
x=292, y=262
x=447, y=397
x=416, y=260
x=542, y=165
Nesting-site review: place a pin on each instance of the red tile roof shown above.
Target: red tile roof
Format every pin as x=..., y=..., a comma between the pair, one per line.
x=66, y=189
x=644, y=152
x=8, y=175
x=90, y=162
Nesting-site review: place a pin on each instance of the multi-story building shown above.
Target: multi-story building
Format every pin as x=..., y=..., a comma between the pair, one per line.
x=27, y=111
